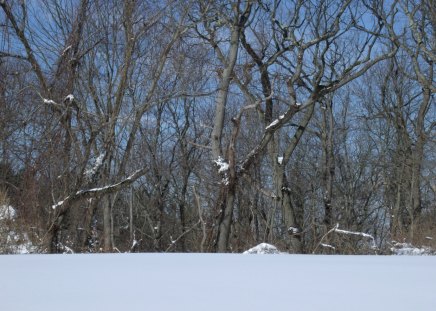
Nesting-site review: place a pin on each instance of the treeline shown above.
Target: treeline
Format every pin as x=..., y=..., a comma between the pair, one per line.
x=215, y=125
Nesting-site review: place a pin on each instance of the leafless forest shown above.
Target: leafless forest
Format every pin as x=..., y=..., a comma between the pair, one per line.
x=215, y=125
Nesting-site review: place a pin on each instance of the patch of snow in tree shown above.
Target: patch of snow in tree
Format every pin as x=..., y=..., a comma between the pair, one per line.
x=223, y=165
x=69, y=97
x=98, y=162
x=298, y=104
x=410, y=250
x=7, y=212
x=263, y=248
x=328, y=246
x=293, y=230
x=66, y=249
x=134, y=243
x=49, y=101
x=66, y=49
x=273, y=123
x=55, y=206
x=280, y=160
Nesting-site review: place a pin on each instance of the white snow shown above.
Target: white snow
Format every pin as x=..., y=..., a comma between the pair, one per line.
x=280, y=160
x=293, y=230
x=223, y=165
x=214, y=282
x=273, y=123
x=98, y=162
x=362, y=234
x=93, y=190
x=66, y=49
x=263, y=248
x=328, y=246
x=7, y=212
x=49, y=101
x=408, y=249
x=134, y=244
x=17, y=244
x=55, y=206
x=12, y=242
x=69, y=97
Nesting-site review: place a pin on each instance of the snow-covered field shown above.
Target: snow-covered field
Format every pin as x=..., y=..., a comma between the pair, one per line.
x=127, y=282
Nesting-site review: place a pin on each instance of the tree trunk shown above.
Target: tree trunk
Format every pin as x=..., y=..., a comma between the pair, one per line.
x=107, y=224
x=328, y=165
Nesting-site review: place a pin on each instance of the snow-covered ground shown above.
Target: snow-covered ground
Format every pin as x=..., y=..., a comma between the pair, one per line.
x=209, y=282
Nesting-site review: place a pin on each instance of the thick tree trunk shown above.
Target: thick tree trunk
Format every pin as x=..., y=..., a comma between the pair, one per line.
x=226, y=221
x=216, y=137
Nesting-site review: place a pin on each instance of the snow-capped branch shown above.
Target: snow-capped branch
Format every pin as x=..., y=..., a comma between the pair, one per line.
x=346, y=232
x=66, y=50
x=355, y=233
x=60, y=203
x=275, y=122
x=49, y=101
x=270, y=130
x=93, y=192
x=362, y=234
x=328, y=246
x=52, y=103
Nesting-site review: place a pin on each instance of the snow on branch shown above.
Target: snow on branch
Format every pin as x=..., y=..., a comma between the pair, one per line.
x=355, y=233
x=114, y=187
x=275, y=122
x=69, y=97
x=223, y=166
x=328, y=246
x=49, y=101
x=97, y=165
x=93, y=192
x=362, y=234
x=346, y=232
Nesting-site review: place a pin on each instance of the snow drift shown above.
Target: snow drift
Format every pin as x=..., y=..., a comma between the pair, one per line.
x=216, y=282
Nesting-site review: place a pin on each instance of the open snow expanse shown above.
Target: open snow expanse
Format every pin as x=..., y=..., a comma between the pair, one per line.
x=216, y=282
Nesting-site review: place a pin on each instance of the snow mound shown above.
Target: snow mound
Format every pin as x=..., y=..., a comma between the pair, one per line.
x=7, y=212
x=263, y=248
x=410, y=250
x=19, y=244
